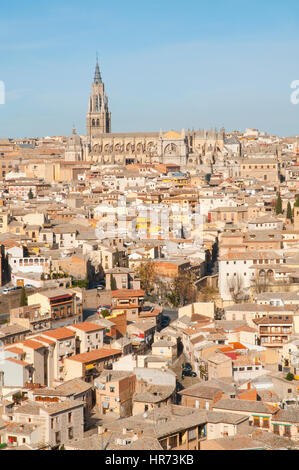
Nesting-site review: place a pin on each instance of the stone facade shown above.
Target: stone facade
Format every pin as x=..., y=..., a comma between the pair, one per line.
x=100, y=146
x=74, y=149
x=189, y=148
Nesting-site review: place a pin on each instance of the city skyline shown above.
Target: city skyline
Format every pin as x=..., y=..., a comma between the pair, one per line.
x=163, y=66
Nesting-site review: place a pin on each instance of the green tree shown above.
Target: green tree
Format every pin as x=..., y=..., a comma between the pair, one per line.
x=24, y=300
x=289, y=211
x=290, y=377
x=173, y=299
x=117, y=259
x=30, y=194
x=113, y=285
x=105, y=313
x=278, y=205
x=297, y=202
x=82, y=283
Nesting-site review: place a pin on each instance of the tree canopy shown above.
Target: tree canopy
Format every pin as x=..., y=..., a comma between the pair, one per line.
x=278, y=205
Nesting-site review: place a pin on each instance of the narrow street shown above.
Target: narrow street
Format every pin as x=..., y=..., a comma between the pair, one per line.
x=177, y=369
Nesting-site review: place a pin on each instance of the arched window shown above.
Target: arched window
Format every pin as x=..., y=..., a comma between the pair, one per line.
x=97, y=104
x=93, y=123
x=98, y=123
x=100, y=102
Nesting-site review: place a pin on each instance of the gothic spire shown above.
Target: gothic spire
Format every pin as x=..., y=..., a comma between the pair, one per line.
x=97, y=75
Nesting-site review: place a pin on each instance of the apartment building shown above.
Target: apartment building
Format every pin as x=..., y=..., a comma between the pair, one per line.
x=89, y=336
x=64, y=346
x=274, y=330
x=261, y=169
x=128, y=301
x=114, y=392
x=44, y=426
x=61, y=304
x=90, y=364
x=200, y=396
x=31, y=318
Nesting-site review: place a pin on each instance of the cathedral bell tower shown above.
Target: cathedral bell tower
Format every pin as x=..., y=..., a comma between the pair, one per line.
x=98, y=116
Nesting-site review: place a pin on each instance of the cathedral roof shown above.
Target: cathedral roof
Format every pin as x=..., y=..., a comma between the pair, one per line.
x=172, y=135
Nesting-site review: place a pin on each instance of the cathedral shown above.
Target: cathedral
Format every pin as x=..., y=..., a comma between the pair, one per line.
x=185, y=148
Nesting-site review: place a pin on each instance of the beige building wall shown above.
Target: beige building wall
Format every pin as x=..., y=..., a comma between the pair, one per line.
x=73, y=369
x=200, y=308
x=169, y=352
x=39, y=299
x=219, y=430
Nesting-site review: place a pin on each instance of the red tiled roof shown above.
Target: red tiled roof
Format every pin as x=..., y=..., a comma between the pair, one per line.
x=45, y=340
x=225, y=349
x=94, y=355
x=238, y=346
x=60, y=333
x=88, y=327
x=15, y=350
x=29, y=343
x=127, y=293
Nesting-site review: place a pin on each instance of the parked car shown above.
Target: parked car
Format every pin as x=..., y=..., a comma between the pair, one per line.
x=100, y=288
x=188, y=373
x=187, y=366
x=7, y=290
x=29, y=286
x=147, y=308
x=165, y=321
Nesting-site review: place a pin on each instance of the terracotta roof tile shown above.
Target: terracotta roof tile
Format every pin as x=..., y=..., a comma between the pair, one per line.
x=95, y=355
x=60, y=333
x=88, y=327
x=29, y=343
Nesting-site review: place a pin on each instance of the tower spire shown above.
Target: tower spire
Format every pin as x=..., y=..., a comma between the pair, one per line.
x=97, y=75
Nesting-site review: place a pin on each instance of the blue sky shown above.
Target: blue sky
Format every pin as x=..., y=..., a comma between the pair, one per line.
x=166, y=64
